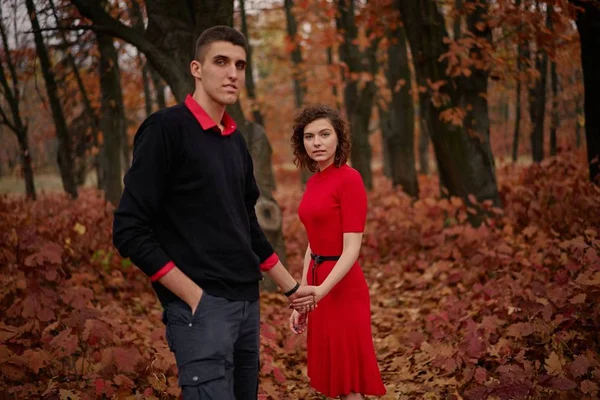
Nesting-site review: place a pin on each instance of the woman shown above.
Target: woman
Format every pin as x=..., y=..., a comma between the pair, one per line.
x=341, y=356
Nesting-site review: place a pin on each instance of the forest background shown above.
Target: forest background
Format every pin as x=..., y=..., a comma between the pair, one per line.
x=475, y=127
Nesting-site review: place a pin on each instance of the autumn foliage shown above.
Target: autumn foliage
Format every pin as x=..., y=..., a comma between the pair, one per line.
x=507, y=310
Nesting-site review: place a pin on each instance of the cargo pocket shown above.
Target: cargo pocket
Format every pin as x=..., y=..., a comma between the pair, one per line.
x=204, y=380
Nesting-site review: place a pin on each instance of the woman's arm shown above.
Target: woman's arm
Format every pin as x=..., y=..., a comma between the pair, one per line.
x=305, y=266
x=352, y=243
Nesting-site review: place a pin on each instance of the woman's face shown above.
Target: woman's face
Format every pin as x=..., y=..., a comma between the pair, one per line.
x=320, y=142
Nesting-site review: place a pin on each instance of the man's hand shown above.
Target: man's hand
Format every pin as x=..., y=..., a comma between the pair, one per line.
x=183, y=287
x=195, y=301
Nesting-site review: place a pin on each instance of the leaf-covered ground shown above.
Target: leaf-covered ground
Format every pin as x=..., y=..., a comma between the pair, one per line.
x=505, y=311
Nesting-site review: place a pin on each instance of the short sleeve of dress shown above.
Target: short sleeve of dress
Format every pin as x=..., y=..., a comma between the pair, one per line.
x=353, y=202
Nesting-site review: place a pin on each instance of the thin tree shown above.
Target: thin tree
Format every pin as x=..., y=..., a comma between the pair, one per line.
x=65, y=152
x=11, y=92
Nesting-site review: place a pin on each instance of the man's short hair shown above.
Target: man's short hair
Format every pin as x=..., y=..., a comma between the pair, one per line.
x=219, y=33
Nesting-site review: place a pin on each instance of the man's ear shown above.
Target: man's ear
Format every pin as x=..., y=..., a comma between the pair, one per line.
x=196, y=69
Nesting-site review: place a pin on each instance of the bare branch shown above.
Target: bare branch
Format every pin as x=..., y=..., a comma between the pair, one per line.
x=9, y=62
x=64, y=28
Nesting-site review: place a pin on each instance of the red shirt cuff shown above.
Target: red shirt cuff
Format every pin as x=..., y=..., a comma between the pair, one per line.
x=163, y=271
x=269, y=263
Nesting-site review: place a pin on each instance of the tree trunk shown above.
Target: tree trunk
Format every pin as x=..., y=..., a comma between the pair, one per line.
x=358, y=102
x=112, y=122
x=465, y=162
x=520, y=56
x=589, y=35
x=399, y=142
x=538, y=112
x=159, y=88
x=297, y=75
x=537, y=104
x=334, y=86
x=555, y=119
x=26, y=164
x=457, y=25
x=250, y=87
x=267, y=209
x=578, y=113
x=425, y=122
x=296, y=53
x=65, y=152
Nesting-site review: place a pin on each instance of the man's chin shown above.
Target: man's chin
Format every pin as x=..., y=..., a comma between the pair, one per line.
x=229, y=100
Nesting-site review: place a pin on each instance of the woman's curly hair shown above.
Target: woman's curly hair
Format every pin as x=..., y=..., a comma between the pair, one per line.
x=313, y=113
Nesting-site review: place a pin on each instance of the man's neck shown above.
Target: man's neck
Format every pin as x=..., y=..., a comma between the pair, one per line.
x=214, y=110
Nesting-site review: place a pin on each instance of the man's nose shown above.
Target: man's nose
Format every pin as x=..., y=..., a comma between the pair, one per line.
x=232, y=72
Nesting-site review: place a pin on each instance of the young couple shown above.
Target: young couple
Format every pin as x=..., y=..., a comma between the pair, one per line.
x=186, y=219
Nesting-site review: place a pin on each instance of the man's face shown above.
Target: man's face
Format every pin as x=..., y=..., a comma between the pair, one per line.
x=222, y=72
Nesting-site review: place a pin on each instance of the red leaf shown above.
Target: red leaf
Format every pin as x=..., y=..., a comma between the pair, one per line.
x=562, y=383
x=50, y=252
x=7, y=332
x=36, y=359
x=99, y=384
x=125, y=359
x=278, y=375
x=480, y=375
x=123, y=381
x=77, y=297
x=580, y=366
x=589, y=387
x=64, y=343
x=520, y=329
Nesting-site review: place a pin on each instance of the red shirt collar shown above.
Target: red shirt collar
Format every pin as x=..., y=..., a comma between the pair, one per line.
x=206, y=121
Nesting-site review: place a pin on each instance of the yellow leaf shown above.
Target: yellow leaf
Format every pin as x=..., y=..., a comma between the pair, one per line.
x=580, y=298
x=553, y=364
x=79, y=228
x=68, y=395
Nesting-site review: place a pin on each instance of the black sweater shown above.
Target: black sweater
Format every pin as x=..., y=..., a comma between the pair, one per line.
x=189, y=198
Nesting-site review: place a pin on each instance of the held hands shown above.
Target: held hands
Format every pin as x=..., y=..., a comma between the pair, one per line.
x=306, y=298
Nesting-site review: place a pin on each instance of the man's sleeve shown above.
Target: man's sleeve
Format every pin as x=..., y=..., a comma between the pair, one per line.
x=260, y=244
x=145, y=185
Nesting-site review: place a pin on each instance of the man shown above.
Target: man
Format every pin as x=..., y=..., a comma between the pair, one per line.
x=186, y=218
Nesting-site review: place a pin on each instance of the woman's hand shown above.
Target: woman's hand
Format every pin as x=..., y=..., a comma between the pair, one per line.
x=298, y=322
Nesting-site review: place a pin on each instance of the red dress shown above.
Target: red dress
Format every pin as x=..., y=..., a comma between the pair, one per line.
x=340, y=351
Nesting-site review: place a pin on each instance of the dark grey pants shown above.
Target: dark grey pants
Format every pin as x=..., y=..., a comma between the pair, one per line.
x=216, y=349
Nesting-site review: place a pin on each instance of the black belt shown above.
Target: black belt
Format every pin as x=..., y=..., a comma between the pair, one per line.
x=319, y=260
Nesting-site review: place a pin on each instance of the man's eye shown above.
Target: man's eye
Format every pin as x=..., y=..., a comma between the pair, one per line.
x=326, y=134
